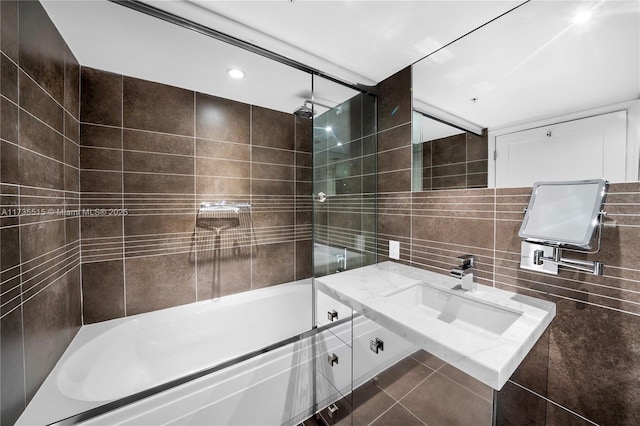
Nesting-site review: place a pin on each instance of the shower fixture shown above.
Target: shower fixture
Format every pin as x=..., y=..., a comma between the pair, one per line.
x=307, y=109
x=304, y=111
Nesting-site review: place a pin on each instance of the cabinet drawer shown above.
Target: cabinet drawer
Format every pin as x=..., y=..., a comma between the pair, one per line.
x=333, y=362
x=329, y=310
x=367, y=363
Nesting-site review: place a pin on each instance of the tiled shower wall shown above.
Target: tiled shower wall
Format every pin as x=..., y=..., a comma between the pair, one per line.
x=40, y=249
x=585, y=369
x=150, y=154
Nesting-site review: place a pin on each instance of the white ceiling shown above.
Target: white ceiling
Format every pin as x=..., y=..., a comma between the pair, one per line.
x=536, y=63
x=355, y=41
x=365, y=42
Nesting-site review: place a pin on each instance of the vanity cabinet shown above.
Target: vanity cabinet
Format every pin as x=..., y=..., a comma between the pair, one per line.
x=349, y=351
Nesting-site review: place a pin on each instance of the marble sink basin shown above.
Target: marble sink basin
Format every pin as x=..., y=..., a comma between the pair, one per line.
x=486, y=332
x=456, y=308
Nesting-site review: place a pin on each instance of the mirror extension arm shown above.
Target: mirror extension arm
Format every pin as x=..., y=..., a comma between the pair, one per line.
x=595, y=268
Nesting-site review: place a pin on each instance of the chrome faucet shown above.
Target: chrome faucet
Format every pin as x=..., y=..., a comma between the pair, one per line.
x=464, y=272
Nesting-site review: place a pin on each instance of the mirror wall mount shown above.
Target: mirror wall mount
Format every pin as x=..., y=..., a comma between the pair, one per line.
x=562, y=216
x=541, y=258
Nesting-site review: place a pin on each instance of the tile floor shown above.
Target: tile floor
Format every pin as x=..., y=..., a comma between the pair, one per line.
x=419, y=390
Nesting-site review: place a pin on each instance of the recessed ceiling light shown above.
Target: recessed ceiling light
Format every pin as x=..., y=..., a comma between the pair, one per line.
x=236, y=73
x=328, y=128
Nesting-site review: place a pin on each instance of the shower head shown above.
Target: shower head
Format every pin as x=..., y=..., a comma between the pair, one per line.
x=304, y=111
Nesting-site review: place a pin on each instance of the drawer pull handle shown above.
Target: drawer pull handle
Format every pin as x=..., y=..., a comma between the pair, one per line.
x=331, y=410
x=332, y=315
x=376, y=345
x=333, y=359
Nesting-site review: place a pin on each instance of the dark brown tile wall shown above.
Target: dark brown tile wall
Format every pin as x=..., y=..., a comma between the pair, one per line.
x=40, y=295
x=150, y=154
x=394, y=164
x=585, y=369
x=591, y=363
x=447, y=224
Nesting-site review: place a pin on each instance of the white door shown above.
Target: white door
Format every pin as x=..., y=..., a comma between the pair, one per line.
x=588, y=148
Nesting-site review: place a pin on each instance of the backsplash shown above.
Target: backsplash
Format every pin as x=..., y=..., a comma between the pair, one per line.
x=150, y=154
x=40, y=248
x=585, y=368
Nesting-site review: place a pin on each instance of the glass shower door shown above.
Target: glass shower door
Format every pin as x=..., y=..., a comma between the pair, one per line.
x=344, y=179
x=344, y=231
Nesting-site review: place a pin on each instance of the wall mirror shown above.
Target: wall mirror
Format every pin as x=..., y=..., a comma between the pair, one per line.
x=524, y=83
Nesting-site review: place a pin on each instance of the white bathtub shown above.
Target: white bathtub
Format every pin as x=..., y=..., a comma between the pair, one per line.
x=113, y=359
x=283, y=386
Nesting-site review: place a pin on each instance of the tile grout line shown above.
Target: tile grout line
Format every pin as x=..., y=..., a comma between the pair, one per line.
x=251, y=202
x=20, y=231
x=79, y=225
x=495, y=233
x=553, y=402
x=464, y=387
x=195, y=186
x=295, y=198
x=122, y=197
x=398, y=403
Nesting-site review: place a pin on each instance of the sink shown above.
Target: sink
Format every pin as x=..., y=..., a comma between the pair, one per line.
x=456, y=307
x=486, y=333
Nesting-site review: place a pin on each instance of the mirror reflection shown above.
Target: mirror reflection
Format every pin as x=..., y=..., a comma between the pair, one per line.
x=528, y=81
x=447, y=157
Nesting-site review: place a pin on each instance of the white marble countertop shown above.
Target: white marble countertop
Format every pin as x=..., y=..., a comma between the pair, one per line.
x=490, y=358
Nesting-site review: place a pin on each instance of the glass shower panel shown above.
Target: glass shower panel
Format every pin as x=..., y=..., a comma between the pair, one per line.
x=344, y=180
x=344, y=167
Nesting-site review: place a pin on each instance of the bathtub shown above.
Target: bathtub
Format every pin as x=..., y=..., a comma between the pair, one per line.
x=282, y=386
x=110, y=360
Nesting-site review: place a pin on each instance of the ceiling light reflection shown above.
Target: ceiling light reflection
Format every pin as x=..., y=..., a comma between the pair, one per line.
x=582, y=17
